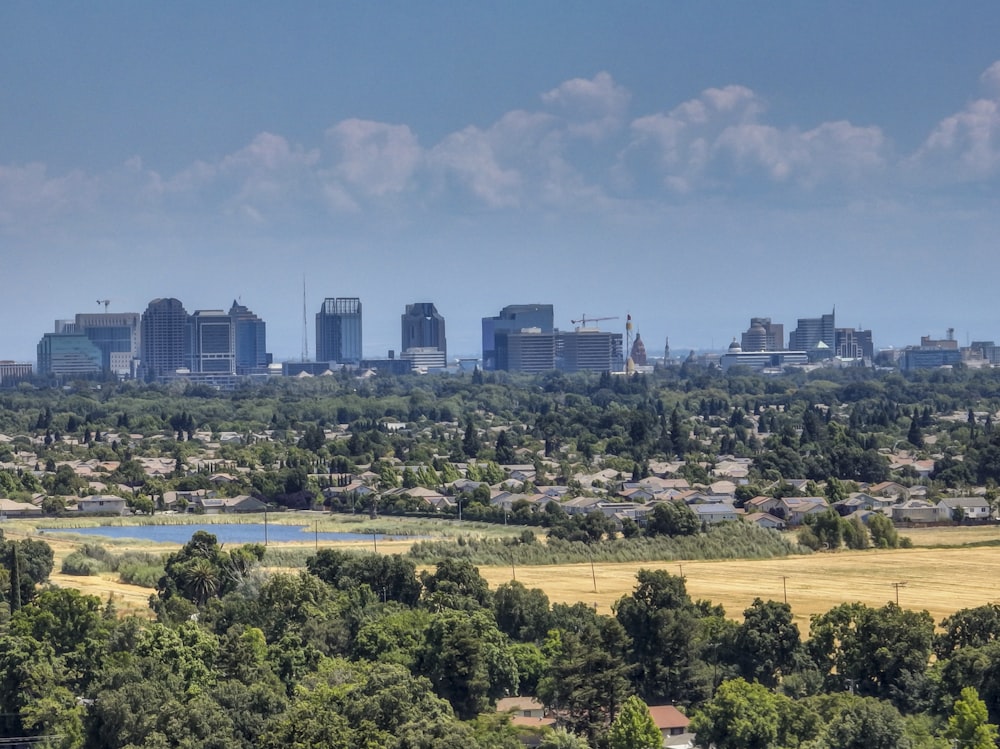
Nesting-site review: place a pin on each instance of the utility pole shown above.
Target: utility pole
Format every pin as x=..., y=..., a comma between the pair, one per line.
x=784, y=586
x=897, y=586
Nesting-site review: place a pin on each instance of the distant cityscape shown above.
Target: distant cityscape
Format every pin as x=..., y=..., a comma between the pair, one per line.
x=220, y=348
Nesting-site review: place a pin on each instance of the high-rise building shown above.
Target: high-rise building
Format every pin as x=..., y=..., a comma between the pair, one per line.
x=814, y=335
x=213, y=342
x=422, y=327
x=117, y=335
x=854, y=344
x=763, y=335
x=164, y=338
x=513, y=318
x=591, y=350
x=338, y=330
x=68, y=354
x=525, y=350
x=250, y=336
x=423, y=358
x=12, y=371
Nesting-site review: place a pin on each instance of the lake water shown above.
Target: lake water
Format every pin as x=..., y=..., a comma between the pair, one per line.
x=227, y=533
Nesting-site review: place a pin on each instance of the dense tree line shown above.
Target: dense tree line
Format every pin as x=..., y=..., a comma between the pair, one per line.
x=298, y=437
x=364, y=650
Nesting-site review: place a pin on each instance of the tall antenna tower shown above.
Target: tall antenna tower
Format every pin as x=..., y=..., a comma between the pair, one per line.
x=305, y=327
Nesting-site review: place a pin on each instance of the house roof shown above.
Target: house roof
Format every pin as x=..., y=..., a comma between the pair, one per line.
x=518, y=703
x=668, y=716
x=964, y=502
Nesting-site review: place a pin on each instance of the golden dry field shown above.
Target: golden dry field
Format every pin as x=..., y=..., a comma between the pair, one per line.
x=942, y=574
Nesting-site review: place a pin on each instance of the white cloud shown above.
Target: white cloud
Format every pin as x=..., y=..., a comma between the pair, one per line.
x=30, y=197
x=470, y=157
x=375, y=158
x=593, y=108
x=719, y=137
x=965, y=146
x=990, y=80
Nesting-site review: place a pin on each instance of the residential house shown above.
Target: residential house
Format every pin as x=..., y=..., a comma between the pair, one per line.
x=888, y=489
x=715, y=512
x=920, y=511
x=766, y=520
x=104, y=504
x=976, y=509
x=11, y=509
x=581, y=505
x=798, y=508
x=215, y=505
x=525, y=711
x=673, y=725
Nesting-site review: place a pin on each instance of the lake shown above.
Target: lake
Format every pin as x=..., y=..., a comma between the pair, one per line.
x=227, y=533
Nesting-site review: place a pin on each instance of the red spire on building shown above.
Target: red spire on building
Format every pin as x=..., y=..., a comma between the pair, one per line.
x=638, y=352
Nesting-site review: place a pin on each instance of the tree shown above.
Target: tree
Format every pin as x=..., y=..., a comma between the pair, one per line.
x=826, y=525
x=588, y=677
x=563, y=739
x=884, y=535
x=468, y=661
x=504, y=450
x=634, y=728
x=522, y=613
x=914, y=436
x=854, y=532
x=968, y=628
x=866, y=723
x=470, y=442
x=767, y=643
x=456, y=583
x=672, y=519
x=662, y=624
x=739, y=716
x=968, y=724
x=882, y=652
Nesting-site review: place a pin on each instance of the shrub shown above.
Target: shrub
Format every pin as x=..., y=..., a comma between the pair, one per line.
x=79, y=564
x=145, y=575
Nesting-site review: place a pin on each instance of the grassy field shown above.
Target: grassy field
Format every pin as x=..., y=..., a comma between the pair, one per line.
x=939, y=580
x=948, y=569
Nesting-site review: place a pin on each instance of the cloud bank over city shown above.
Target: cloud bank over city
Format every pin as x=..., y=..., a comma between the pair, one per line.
x=690, y=166
x=578, y=147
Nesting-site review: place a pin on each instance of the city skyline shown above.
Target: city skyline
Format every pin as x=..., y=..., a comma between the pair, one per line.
x=688, y=164
x=513, y=317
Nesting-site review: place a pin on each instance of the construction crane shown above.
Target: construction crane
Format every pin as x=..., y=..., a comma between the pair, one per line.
x=584, y=320
x=105, y=302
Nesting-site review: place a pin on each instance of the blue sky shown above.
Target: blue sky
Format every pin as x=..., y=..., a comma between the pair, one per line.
x=691, y=163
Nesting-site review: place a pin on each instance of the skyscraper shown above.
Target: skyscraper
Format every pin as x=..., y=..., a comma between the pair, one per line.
x=513, y=318
x=250, y=334
x=763, y=335
x=422, y=327
x=213, y=342
x=591, y=350
x=814, y=335
x=116, y=334
x=338, y=330
x=67, y=354
x=165, y=338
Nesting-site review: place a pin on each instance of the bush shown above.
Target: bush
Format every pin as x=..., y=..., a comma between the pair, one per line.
x=100, y=554
x=79, y=564
x=145, y=575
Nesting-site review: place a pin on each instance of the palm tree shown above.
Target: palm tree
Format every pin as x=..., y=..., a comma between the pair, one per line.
x=201, y=581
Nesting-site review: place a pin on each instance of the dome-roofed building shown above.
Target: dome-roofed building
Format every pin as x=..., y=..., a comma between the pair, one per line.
x=763, y=335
